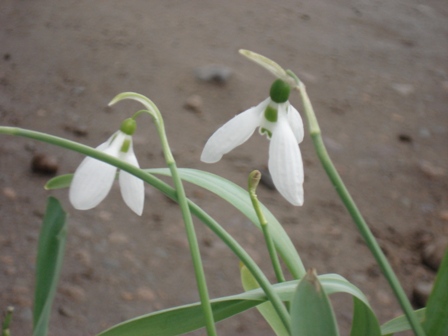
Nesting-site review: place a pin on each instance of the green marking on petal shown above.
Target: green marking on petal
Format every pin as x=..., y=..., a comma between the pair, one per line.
x=271, y=114
x=128, y=126
x=267, y=132
x=280, y=91
x=125, y=146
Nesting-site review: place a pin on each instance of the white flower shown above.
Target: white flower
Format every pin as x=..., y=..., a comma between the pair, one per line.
x=282, y=123
x=93, y=179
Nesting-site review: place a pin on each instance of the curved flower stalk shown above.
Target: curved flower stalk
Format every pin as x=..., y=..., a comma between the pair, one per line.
x=281, y=123
x=93, y=179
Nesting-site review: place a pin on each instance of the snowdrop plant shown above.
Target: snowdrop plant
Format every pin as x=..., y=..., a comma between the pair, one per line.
x=276, y=118
x=296, y=307
x=93, y=179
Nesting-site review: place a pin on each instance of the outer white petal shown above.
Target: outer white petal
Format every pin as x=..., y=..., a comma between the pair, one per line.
x=285, y=162
x=296, y=123
x=92, y=180
x=132, y=188
x=232, y=134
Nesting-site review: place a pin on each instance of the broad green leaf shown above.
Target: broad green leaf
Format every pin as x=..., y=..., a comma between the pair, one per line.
x=178, y=320
x=401, y=323
x=436, y=323
x=233, y=194
x=187, y=318
x=50, y=253
x=266, y=309
x=311, y=311
x=364, y=321
x=240, y=199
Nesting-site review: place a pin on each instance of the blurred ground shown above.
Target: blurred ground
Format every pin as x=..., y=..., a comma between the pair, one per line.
x=377, y=74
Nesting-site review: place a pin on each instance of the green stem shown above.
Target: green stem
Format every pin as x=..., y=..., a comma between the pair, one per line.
x=172, y=194
x=254, y=179
x=354, y=212
x=182, y=199
x=7, y=321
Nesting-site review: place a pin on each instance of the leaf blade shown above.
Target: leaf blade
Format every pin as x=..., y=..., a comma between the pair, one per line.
x=50, y=254
x=311, y=311
x=436, y=323
x=239, y=198
x=266, y=309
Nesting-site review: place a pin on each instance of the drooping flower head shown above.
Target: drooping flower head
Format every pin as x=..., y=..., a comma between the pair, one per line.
x=93, y=179
x=281, y=123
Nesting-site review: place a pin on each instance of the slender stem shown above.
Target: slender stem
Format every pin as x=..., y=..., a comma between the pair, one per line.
x=171, y=193
x=254, y=179
x=186, y=215
x=7, y=321
x=355, y=213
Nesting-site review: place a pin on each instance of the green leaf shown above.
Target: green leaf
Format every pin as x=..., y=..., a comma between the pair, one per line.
x=233, y=194
x=401, y=323
x=311, y=311
x=364, y=321
x=436, y=323
x=50, y=253
x=266, y=309
x=240, y=199
x=187, y=318
x=59, y=182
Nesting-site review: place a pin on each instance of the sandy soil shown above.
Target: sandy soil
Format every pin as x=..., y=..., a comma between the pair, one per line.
x=377, y=74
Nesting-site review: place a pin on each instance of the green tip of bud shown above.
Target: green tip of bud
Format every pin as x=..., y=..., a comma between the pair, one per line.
x=128, y=126
x=254, y=179
x=280, y=91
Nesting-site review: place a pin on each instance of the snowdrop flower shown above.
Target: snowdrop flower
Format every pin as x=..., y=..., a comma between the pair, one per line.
x=93, y=179
x=281, y=123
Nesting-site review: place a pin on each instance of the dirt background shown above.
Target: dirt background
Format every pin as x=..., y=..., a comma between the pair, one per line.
x=376, y=72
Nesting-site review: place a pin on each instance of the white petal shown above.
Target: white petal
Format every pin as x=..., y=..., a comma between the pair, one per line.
x=285, y=162
x=132, y=188
x=296, y=123
x=232, y=134
x=92, y=181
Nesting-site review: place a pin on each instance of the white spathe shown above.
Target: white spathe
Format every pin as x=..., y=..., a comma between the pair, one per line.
x=93, y=179
x=285, y=160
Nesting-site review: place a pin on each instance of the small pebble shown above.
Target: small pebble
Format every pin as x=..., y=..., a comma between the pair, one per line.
x=424, y=133
x=127, y=296
x=145, y=294
x=213, y=73
x=194, y=103
x=431, y=170
x=444, y=215
x=383, y=297
x=44, y=164
x=65, y=311
x=405, y=138
x=84, y=257
x=41, y=113
x=84, y=233
x=118, y=238
x=73, y=292
x=79, y=131
x=421, y=292
x=403, y=89
x=433, y=252
x=10, y=193
x=105, y=216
